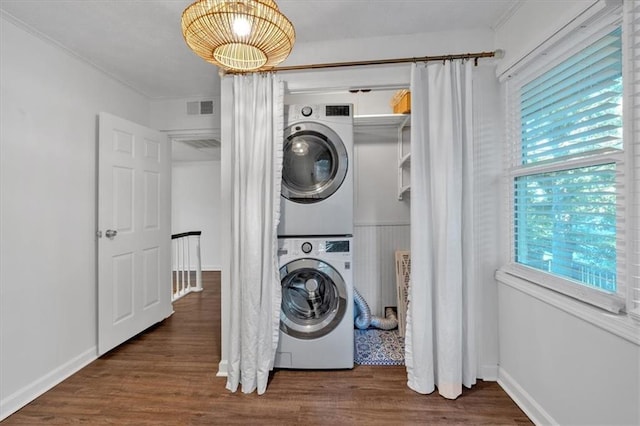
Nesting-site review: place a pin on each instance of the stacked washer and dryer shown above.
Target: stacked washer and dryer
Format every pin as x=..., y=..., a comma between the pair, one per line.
x=315, y=238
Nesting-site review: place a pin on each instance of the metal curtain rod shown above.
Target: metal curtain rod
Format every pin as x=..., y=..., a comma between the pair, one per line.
x=474, y=56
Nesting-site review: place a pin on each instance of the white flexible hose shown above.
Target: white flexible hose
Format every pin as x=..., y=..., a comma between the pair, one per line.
x=363, y=312
x=388, y=323
x=364, y=319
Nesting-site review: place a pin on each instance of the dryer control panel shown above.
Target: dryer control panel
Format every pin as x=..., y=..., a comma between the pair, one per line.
x=319, y=112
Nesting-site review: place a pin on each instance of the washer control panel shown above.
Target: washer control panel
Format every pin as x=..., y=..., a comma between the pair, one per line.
x=337, y=246
x=315, y=247
x=318, y=247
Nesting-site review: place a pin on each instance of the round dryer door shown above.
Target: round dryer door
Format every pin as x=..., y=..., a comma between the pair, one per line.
x=314, y=298
x=315, y=162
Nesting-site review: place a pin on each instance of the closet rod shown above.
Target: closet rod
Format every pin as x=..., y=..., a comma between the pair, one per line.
x=473, y=56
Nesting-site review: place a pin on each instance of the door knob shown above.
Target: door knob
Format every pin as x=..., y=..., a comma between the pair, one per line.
x=111, y=233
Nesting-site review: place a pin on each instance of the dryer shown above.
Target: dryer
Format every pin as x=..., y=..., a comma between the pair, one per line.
x=317, y=171
x=316, y=315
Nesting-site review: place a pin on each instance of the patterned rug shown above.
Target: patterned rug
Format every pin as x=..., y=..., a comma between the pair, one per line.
x=379, y=347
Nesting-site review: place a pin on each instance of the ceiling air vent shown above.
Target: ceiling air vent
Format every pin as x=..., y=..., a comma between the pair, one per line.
x=202, y=143
x=200, y=108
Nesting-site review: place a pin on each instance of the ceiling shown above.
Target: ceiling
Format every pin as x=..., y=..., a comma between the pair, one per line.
x=139, y=42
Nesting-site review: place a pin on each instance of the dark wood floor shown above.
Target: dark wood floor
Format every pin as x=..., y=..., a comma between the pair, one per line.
x=167, y=376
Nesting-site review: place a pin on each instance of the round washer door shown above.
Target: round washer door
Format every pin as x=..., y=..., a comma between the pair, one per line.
x=314, y=298
x=314, y=164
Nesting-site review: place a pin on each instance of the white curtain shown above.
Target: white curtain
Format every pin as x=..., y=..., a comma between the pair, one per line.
x=258, y=119
x=440, y=335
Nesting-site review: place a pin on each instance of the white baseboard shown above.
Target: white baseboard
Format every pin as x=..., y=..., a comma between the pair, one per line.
x=489, y=373
x=223, y=369
x=22, y=397
x=530, y=406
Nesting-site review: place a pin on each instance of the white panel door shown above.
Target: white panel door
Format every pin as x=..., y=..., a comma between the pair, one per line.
x=134, y=229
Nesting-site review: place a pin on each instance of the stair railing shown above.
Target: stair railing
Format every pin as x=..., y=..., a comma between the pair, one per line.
x=183, y=269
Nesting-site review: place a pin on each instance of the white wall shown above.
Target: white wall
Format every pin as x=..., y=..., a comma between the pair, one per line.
x=562, y=369
x=559, y=365
x=195, y=206
x=487, y=174
x=48, y=293
x=381, y=220
x=532, y=23
x=170, y=115
x=195, y=203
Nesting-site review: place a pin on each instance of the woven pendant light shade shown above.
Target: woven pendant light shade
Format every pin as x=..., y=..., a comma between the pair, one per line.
x=238, y=35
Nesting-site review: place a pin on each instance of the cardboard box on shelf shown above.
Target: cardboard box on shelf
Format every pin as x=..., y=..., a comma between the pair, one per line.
x=401, y=102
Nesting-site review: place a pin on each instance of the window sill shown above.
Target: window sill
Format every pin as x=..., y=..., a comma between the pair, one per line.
x=622, y=325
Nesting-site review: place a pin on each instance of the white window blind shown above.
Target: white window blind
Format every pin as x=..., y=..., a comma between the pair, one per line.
x=567, y=180
x=631, y=53
x=576, y=106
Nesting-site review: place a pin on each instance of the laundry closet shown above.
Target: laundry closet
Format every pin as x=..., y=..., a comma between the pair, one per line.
x=381, y=187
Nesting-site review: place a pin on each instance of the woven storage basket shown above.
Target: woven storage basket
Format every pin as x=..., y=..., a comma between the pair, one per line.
x=403, y=279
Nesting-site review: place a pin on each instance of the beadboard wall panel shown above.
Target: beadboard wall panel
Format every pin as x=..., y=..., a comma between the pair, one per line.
x=374, y=272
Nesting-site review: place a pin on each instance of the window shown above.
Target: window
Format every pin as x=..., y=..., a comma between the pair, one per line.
x=566, y=224
x=567, y=173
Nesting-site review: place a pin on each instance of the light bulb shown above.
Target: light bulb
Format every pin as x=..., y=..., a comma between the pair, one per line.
x=241, y=26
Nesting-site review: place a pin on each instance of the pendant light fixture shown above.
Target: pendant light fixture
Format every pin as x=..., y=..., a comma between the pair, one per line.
x=238, y=35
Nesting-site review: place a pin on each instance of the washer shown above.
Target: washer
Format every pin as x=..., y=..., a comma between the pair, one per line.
x=316, y=315
x=317, y=171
